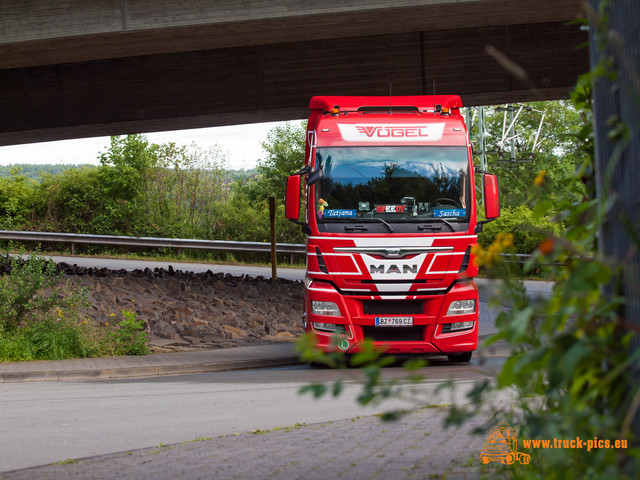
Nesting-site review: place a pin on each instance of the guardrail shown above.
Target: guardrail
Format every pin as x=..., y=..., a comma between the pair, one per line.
x=222, y=245
x=113, y=240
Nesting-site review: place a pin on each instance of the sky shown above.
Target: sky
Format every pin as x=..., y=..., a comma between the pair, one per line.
x=241, y=143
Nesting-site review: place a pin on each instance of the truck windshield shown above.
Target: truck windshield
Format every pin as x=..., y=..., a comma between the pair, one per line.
x=394, y=184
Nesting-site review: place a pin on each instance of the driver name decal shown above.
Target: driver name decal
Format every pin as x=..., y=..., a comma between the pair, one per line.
x=449, y=212
x=339, y=213
x=375, y=132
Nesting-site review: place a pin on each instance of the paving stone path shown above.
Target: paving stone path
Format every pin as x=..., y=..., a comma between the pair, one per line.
x=414, y=447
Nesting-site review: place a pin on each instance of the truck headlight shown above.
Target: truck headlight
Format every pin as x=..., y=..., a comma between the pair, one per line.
x=325, y=308
x=460, y=326
x=461, y=307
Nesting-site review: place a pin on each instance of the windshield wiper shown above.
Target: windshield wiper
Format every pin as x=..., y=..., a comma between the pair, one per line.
x=371, y=219
x=430, y=227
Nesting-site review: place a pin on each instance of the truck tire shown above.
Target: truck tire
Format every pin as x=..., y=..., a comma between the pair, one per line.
x=460, y=357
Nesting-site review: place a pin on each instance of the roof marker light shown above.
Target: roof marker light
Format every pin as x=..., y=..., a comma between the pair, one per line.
x=335, y=110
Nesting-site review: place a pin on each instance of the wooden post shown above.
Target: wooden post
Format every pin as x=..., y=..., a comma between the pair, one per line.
x=272, y=221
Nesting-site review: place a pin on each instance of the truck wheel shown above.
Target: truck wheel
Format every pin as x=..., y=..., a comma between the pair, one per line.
x=460, y=357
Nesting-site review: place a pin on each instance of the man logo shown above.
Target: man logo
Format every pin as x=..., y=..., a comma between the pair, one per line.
x=393, y=269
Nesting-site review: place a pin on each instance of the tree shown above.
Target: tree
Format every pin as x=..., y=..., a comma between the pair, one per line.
x=130, y=158
x=183, y=188
x=285, y=155
x=558, y=153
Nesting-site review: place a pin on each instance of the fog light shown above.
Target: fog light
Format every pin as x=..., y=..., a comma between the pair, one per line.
x=325, y=327
x=325, y=308
x=461, y=307
x=461, y=326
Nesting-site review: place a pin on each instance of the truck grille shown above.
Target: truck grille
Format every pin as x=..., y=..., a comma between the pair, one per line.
x=394, y=334
x=393, y=307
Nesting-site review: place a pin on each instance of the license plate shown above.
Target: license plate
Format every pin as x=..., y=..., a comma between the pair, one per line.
x=394, y=321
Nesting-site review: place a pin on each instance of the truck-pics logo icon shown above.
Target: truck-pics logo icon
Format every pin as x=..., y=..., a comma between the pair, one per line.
x=502, y=446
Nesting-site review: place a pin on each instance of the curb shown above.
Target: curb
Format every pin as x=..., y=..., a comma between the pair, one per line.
x=48, y=374
x=155, y=364
x=143, y=371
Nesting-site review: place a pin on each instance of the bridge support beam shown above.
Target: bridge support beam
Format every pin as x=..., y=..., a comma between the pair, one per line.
x=274, y=82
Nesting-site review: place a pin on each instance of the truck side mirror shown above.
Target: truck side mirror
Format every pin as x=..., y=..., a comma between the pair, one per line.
x=292, y=198
x=491, y=196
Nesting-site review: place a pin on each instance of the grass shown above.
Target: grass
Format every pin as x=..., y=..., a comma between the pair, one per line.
x=40, y=318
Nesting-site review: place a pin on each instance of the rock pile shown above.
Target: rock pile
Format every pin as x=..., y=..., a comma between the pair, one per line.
x=184, y=310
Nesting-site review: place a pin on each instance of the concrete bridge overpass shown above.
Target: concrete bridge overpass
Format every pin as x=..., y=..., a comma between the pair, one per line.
x=77, y=68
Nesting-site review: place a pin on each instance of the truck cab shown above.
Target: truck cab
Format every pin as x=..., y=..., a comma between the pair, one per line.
x=390, y=216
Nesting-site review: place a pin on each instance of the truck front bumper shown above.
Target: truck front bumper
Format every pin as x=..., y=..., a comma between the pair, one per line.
x=432, y=328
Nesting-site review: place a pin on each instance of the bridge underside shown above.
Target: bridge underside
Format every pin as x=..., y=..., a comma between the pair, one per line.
x=79, y=94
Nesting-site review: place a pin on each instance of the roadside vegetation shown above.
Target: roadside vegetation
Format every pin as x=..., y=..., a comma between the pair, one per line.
x=41, y=317
x=145, y=189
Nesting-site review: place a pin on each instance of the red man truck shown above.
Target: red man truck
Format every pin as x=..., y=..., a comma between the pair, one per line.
x=390, y=218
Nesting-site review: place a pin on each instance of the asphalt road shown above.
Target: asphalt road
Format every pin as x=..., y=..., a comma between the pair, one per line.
x=116, y=264
x=50, y=422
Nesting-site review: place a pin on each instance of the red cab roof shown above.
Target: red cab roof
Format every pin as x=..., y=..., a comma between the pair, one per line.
x=422, y=102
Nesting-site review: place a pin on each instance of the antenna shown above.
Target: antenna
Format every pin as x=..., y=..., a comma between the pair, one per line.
x=390, y=84
x=514, y=140
x=434, y=96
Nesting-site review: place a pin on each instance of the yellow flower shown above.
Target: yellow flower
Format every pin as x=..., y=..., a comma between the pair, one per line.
x=60, y=313
x=490, y=255
x=540, y=178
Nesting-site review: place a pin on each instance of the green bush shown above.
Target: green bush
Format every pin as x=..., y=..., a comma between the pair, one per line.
x=528, y=232
x=40, y=317
x=32, y=292
x=17, y=196
x=129, y=337
x=38, y=312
